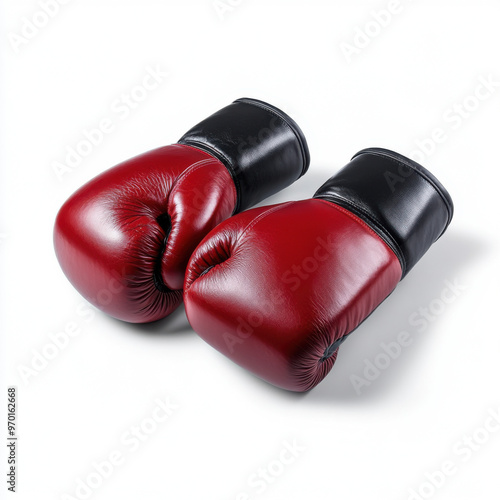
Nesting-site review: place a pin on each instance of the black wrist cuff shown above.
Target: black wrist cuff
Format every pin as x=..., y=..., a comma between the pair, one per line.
x=398, y=198
x=262, y=147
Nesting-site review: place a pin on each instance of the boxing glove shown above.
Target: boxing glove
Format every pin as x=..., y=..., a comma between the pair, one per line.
x=124, y=238
x=278, y=289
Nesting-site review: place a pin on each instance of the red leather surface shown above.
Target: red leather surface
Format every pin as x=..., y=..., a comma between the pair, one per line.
x=109, y=242
x=288, y=281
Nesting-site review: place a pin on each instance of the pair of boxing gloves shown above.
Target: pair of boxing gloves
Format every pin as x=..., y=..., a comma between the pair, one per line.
x=276, y=288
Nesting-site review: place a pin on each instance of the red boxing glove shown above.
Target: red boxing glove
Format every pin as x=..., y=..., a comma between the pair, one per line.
x=124, y=238
x=278, y=289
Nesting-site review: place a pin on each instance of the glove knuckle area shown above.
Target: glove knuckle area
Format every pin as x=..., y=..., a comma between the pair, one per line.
x=109, y=243
x=201, y=198
x=299, y=280
x=222, y=243
x=211, y=253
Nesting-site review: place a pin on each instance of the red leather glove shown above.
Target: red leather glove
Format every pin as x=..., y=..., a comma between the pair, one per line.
x=124, y=238
x=278, y=289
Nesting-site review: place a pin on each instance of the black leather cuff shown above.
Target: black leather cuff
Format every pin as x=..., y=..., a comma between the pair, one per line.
x=398, y=198
x=262, y=147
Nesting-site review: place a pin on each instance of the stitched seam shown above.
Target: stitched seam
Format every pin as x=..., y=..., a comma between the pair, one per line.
x=404, y=164
x=159, y=259
x=228, y=165
x=421, y=174
x=368, y=215
x=263, y=215
x=335, y=199
x=361, y=223
x=202, y=144
x=351, y=216
x=192, y=168
x=427, y=180
x=245, y=230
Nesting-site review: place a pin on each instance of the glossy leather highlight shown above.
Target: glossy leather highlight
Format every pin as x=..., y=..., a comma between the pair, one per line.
x=287, y=282
x=112, y=239
x=278, y=289
x=262, y=147
x=401, y=200
x=124, y=238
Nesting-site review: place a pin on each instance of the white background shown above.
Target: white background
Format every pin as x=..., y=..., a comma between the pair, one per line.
x=380, y=443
